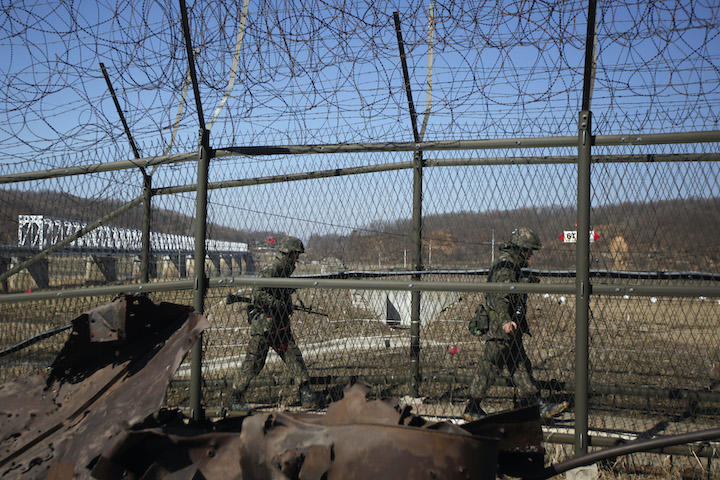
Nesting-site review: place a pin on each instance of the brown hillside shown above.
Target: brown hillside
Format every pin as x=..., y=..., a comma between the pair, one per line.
x=664, y=235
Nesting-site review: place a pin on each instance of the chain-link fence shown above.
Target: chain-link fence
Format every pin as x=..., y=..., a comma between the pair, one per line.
x=400, y=235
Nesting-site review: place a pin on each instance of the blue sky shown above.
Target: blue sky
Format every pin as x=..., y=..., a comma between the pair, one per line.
x=310, y=72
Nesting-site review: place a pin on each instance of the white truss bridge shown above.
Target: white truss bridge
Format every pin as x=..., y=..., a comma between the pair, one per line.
x=38, y=232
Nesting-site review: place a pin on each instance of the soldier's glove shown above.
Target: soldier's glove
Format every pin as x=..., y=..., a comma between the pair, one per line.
x=531, y=279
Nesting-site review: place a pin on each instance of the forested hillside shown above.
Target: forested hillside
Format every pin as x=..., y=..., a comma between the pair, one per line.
x=662, y=235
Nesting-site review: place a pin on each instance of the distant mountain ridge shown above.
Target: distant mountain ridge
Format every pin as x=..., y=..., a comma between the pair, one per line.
x=661, y=235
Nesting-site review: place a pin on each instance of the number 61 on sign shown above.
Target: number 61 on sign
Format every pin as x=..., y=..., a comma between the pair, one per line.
x=570, y=236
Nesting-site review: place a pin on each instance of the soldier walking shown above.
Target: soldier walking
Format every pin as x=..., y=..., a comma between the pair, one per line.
x=501, y=324
x=269, y=317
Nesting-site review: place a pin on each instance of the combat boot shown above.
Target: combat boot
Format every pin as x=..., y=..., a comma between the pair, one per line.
x=551, y=409
x=473, y=411
x=309, y=398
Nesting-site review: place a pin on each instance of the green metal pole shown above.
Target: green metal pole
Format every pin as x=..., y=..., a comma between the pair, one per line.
x=373, y=284
x=582, y=285
x=201, y=281
x=145, y=245
x=415, y=294
x=416, y=221
x=582, y=252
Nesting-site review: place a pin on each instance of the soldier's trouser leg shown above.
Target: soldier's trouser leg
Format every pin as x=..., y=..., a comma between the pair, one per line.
x=290, y=353
x=489, y=370
x=257, y=351
x=520, y=370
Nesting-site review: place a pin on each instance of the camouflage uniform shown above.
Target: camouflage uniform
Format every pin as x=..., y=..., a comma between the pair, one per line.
x=503, y=349
x=506, y=349
x=269, y=317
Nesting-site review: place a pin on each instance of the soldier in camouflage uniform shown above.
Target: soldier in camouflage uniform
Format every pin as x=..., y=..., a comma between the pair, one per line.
x=269, y=317
x=501, y=324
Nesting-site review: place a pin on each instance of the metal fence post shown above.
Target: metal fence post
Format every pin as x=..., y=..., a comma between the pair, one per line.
x=201, y=281
x=145, y=242
x=582, y=252
x=416, y=378
x=582, y=283
x=418, y=266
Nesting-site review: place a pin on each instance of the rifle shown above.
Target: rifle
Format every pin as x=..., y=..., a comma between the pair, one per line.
x=232, y=298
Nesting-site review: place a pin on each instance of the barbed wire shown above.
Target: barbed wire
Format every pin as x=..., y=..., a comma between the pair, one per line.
x=323, y=71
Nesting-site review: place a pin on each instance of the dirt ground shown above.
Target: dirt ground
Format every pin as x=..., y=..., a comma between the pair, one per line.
x=652, y=345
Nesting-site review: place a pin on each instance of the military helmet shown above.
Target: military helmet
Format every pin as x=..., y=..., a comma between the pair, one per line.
x=291, y=244
x=523, y=237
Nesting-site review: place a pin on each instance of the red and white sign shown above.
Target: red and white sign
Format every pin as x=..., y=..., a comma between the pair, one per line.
x=570, y=236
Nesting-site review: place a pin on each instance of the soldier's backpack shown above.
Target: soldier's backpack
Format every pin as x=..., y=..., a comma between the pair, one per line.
x=479, y=324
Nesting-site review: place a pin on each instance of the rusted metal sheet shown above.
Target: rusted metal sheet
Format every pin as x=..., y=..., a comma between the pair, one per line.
x=191, y=452
x=520, y=450
x=95, y=390
x=360, y=438
x=279, y=445
x=107, y=322
x=519, y=431
x=286, y=446
x=356, y=439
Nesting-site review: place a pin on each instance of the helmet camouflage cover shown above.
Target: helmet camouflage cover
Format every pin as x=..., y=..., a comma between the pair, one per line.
x=523, y=237
x=291, y=244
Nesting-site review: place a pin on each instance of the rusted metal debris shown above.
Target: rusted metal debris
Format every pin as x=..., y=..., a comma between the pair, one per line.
x=111, y=373
x=356, y=439
x=97, y=415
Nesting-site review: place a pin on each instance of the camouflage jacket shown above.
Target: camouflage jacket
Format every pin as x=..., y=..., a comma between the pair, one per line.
x=504, y=308
x=274, y=301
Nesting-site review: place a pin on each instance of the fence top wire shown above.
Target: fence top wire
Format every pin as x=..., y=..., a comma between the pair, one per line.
x=328, y=72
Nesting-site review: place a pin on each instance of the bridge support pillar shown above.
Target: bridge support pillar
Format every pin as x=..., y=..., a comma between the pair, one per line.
x=173, y=266
x=180, y=262
x=213, y=267
x=101, y=267
x=226, y=266
x=40, y=273
x=235, y=265
x=137, y=267
x=4, y=267
x=36, y=275
x=248, y=264
x=166, y=267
